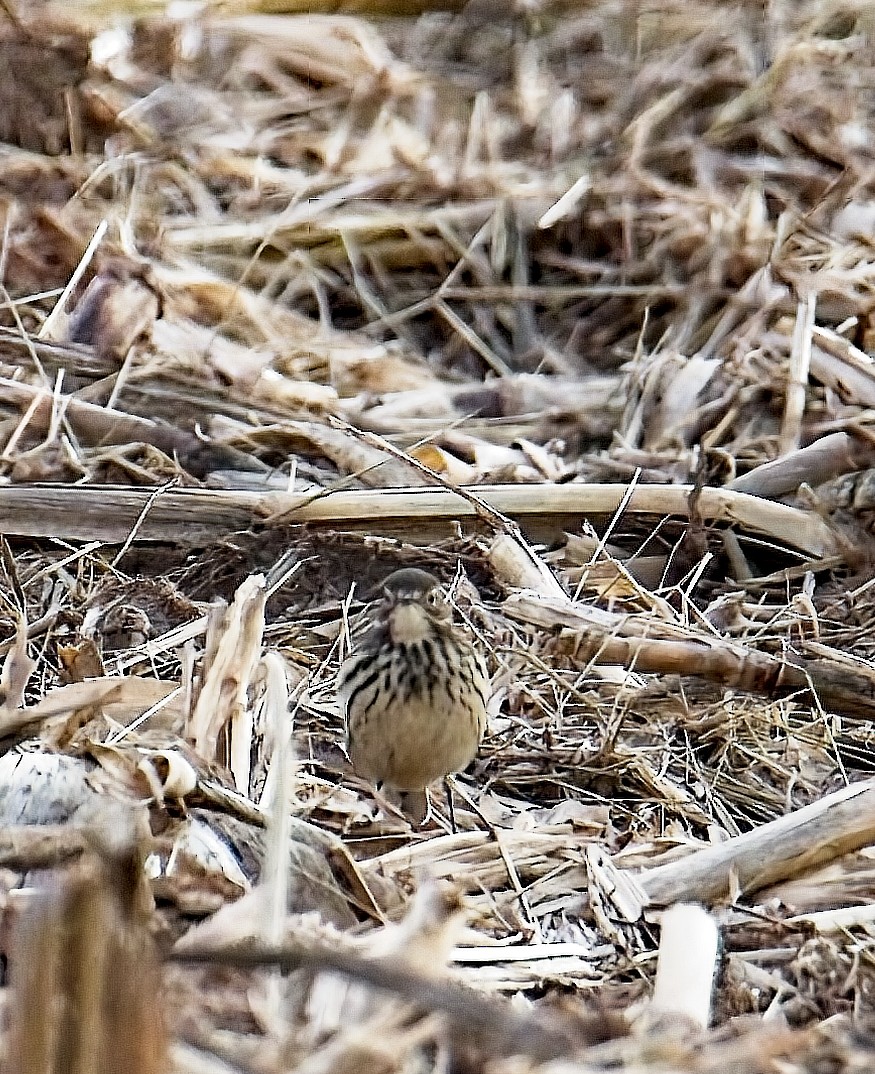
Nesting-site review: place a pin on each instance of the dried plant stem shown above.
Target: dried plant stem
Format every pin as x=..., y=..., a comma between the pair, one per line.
x=829, y=457
x=825, y=830
x=201, y=515
x=474, y=1017
x=687, y=964
x=800, y=364
x=651, y=645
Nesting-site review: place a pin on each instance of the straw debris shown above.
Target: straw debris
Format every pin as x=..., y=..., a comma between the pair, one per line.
x=572, y=306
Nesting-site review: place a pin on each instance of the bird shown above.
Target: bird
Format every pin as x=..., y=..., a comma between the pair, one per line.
x=414, y=692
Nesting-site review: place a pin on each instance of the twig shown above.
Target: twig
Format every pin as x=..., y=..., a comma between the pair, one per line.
x=541, y=1035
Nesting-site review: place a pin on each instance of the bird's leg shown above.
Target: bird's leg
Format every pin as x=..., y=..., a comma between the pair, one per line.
x=416, y=806
x=461, y=790
x=388, y=801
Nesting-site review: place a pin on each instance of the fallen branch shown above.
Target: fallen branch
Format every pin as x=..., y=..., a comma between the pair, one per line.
x=194, y=515
x=827, y=458
x=648, y=644
x=540, y=1034
x=836, y=825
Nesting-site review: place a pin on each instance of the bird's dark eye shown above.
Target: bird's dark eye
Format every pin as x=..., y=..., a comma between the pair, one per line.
x=432, y=597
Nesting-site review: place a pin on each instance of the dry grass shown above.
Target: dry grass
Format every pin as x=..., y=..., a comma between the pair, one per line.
x=571, y=304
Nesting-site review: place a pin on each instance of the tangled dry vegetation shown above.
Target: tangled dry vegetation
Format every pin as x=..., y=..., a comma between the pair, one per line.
x=570, y=303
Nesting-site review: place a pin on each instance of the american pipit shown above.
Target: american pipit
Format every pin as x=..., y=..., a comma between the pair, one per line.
x=413, y=691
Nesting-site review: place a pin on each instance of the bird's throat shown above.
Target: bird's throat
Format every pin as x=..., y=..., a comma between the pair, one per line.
x=408, y=624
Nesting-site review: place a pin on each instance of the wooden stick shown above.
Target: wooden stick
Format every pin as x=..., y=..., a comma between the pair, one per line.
x=477, y=1019
x=648, y=644
x=196, y=516
x=836, y=825
x=829, y=457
